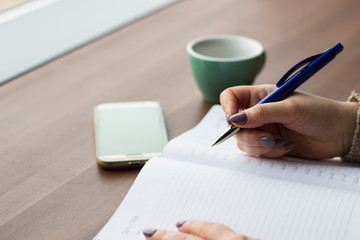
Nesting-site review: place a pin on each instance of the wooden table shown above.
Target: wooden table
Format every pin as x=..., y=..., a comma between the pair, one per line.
x=51, y=186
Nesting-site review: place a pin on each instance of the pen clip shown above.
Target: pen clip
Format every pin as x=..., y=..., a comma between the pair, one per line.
x=296, y=67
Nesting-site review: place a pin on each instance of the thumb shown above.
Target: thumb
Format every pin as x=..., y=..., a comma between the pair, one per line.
x=262, y=114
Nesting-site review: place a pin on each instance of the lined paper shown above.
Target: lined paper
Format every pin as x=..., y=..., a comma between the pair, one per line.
x=263, y=198
x=195, y=146
x=263, y=207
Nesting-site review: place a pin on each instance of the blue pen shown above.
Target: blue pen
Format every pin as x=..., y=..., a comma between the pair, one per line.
x=311, y=65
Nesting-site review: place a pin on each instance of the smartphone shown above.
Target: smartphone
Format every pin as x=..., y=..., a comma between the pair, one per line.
x=127, y=134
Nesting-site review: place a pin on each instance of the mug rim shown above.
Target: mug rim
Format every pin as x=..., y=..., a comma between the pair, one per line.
x=192, y=52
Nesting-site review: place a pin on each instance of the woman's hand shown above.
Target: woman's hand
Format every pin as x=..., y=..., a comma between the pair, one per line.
x=195, y=230
x=301, y=125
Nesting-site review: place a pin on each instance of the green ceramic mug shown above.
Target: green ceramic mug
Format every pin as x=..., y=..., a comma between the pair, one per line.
x=223, y=61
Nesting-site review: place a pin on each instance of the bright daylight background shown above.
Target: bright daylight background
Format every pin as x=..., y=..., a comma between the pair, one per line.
x=33, y=32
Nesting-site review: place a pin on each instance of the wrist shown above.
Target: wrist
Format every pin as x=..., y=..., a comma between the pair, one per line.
x=352, y=141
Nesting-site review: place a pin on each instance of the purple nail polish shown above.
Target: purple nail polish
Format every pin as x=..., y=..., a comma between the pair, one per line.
x=228, y=119
x=267, y=141
x=149, y=232
x=278, y=143
x=239, y=118
x=289, y=145
x=180, y=223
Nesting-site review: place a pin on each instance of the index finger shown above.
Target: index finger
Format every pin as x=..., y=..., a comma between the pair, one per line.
x=210, y=230
x=159, y=234
x=241, y=97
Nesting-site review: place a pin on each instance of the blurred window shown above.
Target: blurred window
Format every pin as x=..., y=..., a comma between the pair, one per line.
x=33, y=32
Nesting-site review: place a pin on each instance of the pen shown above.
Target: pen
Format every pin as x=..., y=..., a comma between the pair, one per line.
x=286, y=86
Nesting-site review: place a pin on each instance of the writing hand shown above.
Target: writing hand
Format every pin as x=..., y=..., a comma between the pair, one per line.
x=301, y=125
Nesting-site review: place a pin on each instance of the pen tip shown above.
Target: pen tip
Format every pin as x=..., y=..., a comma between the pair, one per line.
x=216, y=142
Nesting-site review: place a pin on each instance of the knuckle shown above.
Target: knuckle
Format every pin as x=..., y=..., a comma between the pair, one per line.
x=260, y=110
x=241, y=146
x=246, y=137
x=227, y=92
x=205, y=231
x=228, y=95
x=247, y=149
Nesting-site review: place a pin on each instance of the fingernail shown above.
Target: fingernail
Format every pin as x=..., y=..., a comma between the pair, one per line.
x=267, y=141
x=180, y=223
x=278, y=143
x=289, y=145
x=228, y=118
x=239, y=118
x=149, y=232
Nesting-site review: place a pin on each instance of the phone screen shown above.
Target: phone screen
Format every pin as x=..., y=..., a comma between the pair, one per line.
x=129, y=129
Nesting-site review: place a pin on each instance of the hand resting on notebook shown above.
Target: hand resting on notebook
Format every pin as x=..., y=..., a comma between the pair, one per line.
x=302, y=125
x=195, y=230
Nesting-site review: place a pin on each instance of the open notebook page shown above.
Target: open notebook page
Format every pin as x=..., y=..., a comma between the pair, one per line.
x=195, y=146
x=167, y=191
x=250, y=195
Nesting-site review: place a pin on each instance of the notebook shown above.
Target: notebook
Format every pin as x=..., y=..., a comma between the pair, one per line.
x=286, y=198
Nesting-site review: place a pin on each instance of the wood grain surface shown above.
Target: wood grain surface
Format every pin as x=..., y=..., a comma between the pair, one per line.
x=50, y=184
